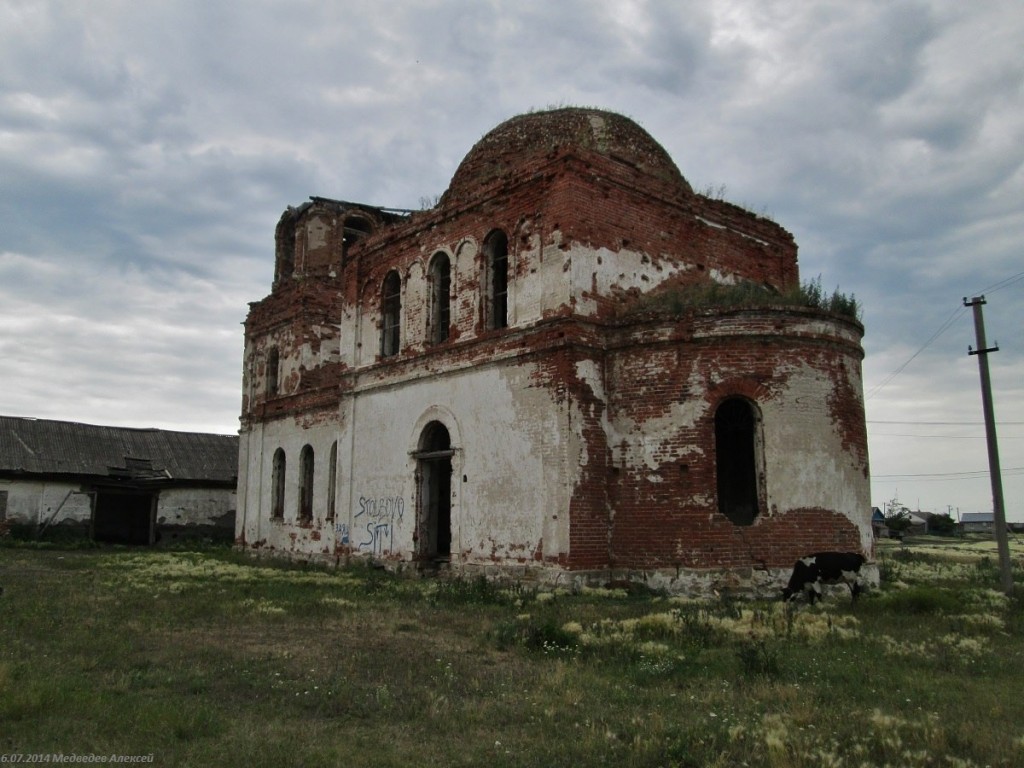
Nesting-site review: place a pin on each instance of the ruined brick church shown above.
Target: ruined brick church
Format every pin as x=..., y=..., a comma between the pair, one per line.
x=518, y=381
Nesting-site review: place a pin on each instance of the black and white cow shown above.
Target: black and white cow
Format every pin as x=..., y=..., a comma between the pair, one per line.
x=810, y=572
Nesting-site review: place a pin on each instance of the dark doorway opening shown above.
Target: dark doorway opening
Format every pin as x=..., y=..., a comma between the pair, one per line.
x=124, y=517
x=434, y=470
x=736, y=461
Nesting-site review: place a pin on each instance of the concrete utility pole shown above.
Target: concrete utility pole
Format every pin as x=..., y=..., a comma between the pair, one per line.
x=995, y=474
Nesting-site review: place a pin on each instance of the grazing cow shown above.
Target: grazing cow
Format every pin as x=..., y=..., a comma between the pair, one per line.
x=810, y=572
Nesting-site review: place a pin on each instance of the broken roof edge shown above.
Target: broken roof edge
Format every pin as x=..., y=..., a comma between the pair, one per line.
x=346, y=205
x=4, y=417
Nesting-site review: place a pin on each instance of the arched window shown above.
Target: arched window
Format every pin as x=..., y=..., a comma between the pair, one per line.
x=496, y=280
x=736, y=453
x=285, y=244
x=440, y=298
x=306, y=483
x=332, y=480
x=277, y=484
x=273, y=366
x=391, y=312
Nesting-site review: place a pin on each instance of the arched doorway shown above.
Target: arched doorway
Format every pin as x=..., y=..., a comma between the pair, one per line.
x=434, y=476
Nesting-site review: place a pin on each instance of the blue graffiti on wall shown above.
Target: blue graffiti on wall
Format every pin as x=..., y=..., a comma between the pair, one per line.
x=379, y=518
x=341, y=531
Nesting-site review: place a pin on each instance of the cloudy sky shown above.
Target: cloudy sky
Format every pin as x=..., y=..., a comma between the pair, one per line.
x=147, y=150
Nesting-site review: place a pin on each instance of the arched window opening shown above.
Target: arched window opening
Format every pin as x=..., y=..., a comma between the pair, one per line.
x=391, y=311
x=306, y=483
x=353, y=230
x=273, y=368
x=440, y=298
x=496, y=280
x=277, y=484
x=434, y=470
x=332, y=480
x=285, y=247
x=736, y=460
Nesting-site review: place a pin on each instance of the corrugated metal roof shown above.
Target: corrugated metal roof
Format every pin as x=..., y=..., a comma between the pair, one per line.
x=977, y=517
x=40, y=446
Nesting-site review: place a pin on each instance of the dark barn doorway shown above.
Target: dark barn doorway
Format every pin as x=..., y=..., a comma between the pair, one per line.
x=124, y=517
x=434, y=473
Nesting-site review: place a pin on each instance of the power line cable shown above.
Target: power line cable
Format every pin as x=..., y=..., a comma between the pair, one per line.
x=1002, y=284
x=976, y=474
x=960, y=310
x=942, y=329
x=942, y=423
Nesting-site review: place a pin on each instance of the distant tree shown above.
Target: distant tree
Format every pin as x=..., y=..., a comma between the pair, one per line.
x=898, y=522
x=897, y=516
x=942, y=525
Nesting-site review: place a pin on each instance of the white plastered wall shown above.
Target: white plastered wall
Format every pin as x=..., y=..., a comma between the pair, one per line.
x=509, y=477
x=514, y=469
x=255, y=483
x=808, y=464
x=34, y=502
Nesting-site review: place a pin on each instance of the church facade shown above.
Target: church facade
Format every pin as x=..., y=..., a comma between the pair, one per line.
x=527, y=381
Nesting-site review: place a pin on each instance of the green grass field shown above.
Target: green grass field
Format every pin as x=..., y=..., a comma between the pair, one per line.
x=207, y=658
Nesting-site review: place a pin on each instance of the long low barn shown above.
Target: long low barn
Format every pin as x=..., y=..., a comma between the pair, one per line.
x=116, y=484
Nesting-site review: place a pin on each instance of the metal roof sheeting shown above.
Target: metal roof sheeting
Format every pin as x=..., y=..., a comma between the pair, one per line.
x=977, y=517
x=39, y=446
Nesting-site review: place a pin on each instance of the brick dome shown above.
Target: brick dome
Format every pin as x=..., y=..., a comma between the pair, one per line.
x=517, y=142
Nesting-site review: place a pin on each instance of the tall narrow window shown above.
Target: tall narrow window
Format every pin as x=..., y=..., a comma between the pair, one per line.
x=273, y=365
x=306, y=483
x=332, y=480
x=285, y=244
x=440, y=298
x=277, y=484
x=391, y=312
x=736, y=460
x=496, y=280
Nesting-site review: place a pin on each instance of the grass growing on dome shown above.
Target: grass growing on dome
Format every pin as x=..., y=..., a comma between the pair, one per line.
x=680, y=299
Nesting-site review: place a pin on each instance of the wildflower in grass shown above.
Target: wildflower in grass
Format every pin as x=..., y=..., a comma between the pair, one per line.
x=774, y=732
x=654, y=649
x=969, y=647
x=884, y=722
x=686, y=601
x=573, y=628
x=981, y=621
x=264, y=607
x=988, y=599
x=545, y=597
x=602, y=592
x=340, y=602
x=662, y=624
